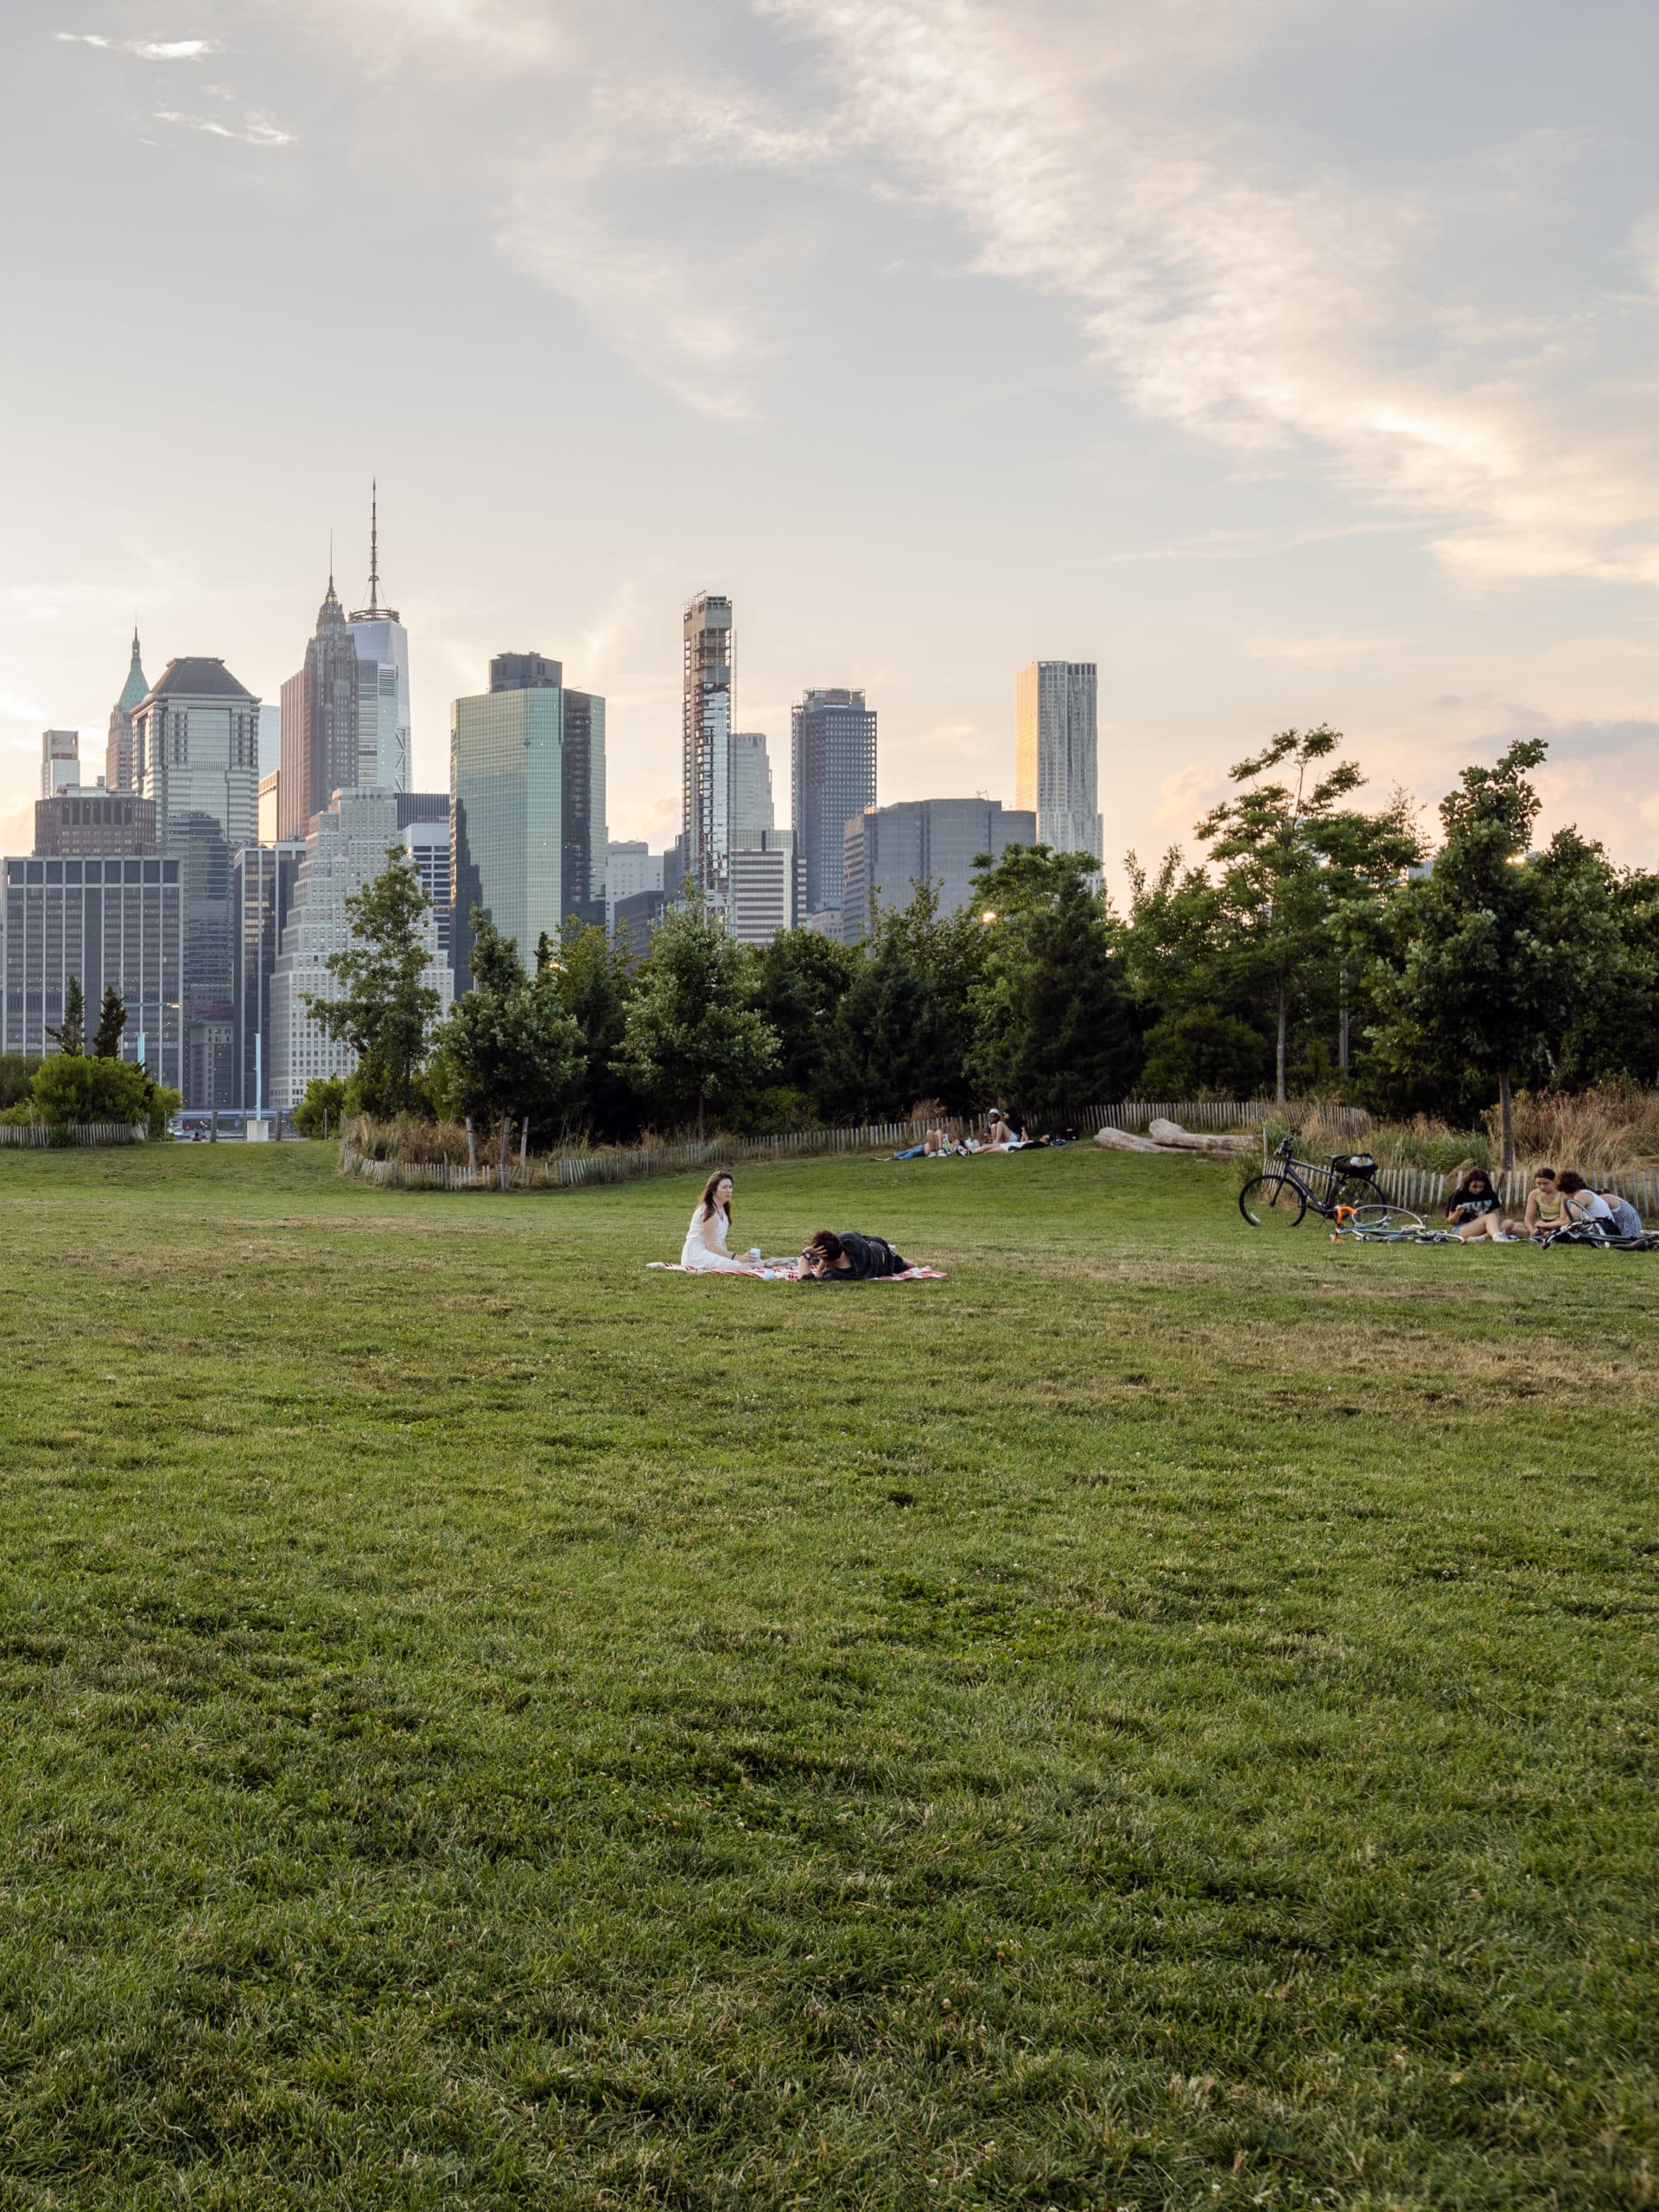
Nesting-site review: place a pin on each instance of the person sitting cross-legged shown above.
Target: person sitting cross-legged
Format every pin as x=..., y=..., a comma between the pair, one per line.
x=1474, y=1209
x=849, y=1256
x=1585, y=1209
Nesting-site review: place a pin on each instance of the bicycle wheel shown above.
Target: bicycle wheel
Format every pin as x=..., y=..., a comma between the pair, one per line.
x=1273, y=1202
x=1384, y=1223
x=1356, y=1190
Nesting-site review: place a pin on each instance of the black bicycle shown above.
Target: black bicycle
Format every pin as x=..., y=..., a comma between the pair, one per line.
x=1281, y=1195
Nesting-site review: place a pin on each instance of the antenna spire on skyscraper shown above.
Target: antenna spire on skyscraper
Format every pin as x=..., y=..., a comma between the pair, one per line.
x=374, y=545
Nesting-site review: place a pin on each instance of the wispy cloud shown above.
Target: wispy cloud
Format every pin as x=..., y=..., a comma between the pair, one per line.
x=146, y=49
x=253, y=130
x=1251, y=311
x=1317, y=652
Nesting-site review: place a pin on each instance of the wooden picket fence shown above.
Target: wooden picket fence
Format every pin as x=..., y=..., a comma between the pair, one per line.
x=635, y=1163
x=42, y=1134
x=1426, y=1193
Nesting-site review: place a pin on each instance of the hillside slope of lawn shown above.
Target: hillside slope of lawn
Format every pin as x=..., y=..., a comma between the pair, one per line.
x=1149, y=1722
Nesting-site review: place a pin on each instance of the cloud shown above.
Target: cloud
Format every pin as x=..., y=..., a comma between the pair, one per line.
x=146, y=49
x=1257, y=313
x=254, y=129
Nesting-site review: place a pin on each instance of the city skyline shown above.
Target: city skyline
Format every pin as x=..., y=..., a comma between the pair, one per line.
x=1288, y=364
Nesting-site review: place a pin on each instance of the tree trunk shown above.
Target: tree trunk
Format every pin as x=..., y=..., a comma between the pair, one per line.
x=699, y=1117
x=1506, y=1103
x=472, y=1149
x=1279, y=1056
x=504, y=1136
x=523, y=1150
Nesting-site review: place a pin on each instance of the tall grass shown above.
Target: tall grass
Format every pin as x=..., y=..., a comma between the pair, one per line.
x=1613, y=1125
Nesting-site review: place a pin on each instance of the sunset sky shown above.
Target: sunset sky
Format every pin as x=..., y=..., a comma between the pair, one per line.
x=1295, y=362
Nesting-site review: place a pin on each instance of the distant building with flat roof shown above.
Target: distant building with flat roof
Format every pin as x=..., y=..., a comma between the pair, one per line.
x=889, y=850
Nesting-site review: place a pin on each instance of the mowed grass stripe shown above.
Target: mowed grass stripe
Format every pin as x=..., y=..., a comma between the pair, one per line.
x=1147, y=1722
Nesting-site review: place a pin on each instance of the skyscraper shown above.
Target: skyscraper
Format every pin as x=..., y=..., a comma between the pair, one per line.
x=262, y=880
x=118, y=770
x=1057, y=753
x=706, y=721
x=765, y=887
x=752, y=812
x=527, y=795
x=196, y=754
x=60, y=761
x=321, y=723
x=892, y=849
x=833, y=757
x=383, y=711
x=102, y=921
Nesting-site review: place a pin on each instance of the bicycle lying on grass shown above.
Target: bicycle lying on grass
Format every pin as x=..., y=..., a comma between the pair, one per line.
x=1281, y=1196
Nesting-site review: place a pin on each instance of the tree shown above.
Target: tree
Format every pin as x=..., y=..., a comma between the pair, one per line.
x=387, y=1007
x=71, y=1037
x=1495, y=954
x=16, y=1077
x=1203, y=1052
x=1301, y=876
x=111, y=1020
x=692, y=1037
x=593, y=980
x=1052, y=1027
x=800, y=978
x=510, y=1048
x=902, y=1030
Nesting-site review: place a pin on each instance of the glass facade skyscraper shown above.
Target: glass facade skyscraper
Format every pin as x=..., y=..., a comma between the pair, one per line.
x=833, y=758
x=527, y=800
x=1056, y=758
x=263, y=878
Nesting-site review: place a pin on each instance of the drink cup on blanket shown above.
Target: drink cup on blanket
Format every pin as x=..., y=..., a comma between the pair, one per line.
x=755, y=1252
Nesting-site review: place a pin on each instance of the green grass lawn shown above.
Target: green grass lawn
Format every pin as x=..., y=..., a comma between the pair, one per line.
x=1150, y=1722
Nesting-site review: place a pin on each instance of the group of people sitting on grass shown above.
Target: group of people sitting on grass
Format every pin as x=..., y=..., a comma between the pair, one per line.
x=828, y=1256
x=1004, y=1132
x=1554, y=1202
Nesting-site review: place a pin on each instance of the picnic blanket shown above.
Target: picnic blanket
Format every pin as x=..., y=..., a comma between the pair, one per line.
x=910, y=1274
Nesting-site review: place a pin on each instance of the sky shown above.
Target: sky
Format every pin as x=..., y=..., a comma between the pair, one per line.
x=1295, y=363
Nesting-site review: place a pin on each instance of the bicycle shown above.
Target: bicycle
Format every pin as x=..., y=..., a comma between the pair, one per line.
x=1279, y=1199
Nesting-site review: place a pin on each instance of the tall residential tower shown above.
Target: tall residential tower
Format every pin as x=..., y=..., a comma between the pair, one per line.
x=1056, y=753
x=706, y=723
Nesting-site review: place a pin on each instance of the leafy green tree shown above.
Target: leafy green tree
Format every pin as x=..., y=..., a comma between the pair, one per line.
x=325, y=1096
x=510, y=1050
x=1496, y=955
x=1615, y=1030
x=800, y=979
x=71, y=1037
x=1200, y=1052
x=593, y=979
x=1053, y=1030
x=387, y=1007
x=904, y=1027
x=111, y=1020
x=17, y=1076
x=1299, y=877
x=692, y=1037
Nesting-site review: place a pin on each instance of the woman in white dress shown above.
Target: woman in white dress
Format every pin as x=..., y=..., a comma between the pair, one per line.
x=705, y=1249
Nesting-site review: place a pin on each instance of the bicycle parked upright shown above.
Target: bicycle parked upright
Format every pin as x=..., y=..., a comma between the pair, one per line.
x=1281, y=1197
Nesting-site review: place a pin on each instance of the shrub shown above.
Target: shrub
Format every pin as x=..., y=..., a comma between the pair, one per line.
x=70, y=1088
x=16, y=1076
x=324, y=1094
x=1201, y=1053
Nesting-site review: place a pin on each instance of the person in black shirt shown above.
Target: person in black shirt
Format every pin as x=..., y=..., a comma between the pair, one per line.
x=850, y=1257
x=1475, y=1209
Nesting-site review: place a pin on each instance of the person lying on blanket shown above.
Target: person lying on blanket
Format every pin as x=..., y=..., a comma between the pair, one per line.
x=849, y=1257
